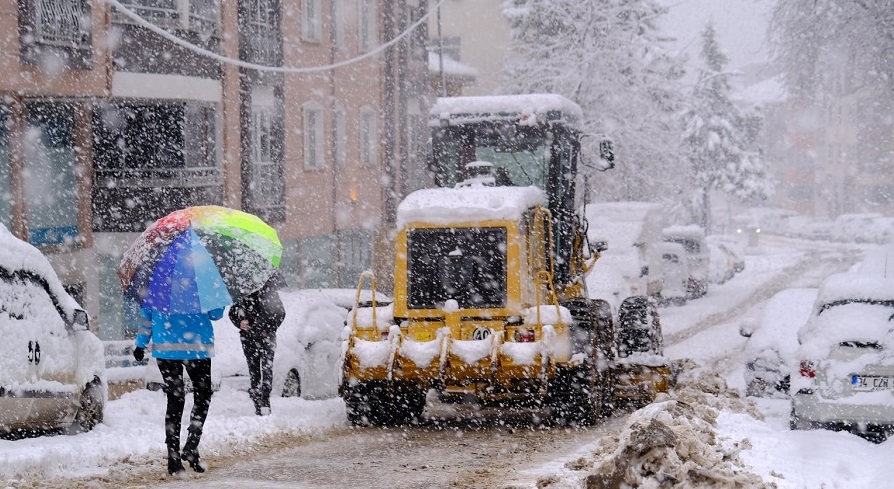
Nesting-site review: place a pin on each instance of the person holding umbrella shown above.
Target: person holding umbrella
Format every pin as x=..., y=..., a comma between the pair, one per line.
x=181, y=342
x=181, y=273
x=258, y=316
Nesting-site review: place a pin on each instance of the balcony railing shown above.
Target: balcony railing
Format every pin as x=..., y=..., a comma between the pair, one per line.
x=160, y=177
x=64, y=23
x=171, y=14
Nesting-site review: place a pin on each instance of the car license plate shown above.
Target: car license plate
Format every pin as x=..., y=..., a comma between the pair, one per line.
x=870, y=383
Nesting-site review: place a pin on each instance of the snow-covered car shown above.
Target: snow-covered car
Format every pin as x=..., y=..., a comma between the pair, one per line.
x=603, y=282
x=770, y=350
x=730, y=245
x=640, y=369
x=692, y=237
x=721, y=266
x=308, y=345
x=845, y=370
x=862, y=228
x=675, y=273
x=52, y=368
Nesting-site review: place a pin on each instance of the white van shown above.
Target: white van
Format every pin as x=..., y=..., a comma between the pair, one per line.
x=692, y=238
x=676, y=274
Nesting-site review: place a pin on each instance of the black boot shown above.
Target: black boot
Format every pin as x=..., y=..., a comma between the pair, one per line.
x=191, y=450
x=175, y=467
x=192, y=458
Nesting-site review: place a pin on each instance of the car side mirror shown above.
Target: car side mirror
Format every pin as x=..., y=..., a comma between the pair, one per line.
x=80, y=320
x=598, y=152
x=747, y=327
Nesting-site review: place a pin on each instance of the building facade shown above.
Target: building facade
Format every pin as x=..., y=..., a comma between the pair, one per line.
x=107, y=125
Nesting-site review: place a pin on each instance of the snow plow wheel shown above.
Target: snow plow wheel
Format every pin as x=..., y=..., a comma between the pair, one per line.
x=376, y=403
x=581, y=395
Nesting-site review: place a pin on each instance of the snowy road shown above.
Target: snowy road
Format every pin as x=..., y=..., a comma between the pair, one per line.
x=455, y=447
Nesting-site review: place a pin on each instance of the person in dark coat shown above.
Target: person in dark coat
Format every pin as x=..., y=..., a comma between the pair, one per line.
x=181, y=342
x=258, y=315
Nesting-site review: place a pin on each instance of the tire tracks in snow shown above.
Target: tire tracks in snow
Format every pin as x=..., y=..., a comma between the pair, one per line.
x=778, y=282
x=818, y=262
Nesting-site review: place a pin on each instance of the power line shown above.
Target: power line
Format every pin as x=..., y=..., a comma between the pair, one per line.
x=245, y=64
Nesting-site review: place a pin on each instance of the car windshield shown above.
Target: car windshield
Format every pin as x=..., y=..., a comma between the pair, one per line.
x=22, y=299
x=464, y=264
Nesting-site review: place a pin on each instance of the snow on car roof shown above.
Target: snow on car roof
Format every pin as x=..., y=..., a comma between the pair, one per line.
x=785, y=313
x=853, y=318
x=530, y=108
x=16, y=255
x=471, y=204
x=845, y=286
x=689, y=231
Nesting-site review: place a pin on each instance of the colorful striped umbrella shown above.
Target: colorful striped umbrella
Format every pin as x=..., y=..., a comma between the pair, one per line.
x=198, y=259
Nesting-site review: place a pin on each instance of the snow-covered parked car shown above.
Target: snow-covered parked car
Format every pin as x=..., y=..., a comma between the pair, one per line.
x=52, y=368
x=640, y=369
x=730, y=245
x=863, y=228
x=773, y=341
x=692, y=237
x=675, y=271
x=720, y=265
x=845, y=371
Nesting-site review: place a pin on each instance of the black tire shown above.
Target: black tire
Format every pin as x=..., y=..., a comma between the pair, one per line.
x=576, y=397
x=90, y=410
x=379, y=403
x=581, y=395
x=292, y=385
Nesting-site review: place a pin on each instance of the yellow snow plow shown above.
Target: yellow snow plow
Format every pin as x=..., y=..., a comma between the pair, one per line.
x=489, y=298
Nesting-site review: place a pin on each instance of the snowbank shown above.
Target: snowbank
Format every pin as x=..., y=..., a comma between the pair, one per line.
x=673, y=443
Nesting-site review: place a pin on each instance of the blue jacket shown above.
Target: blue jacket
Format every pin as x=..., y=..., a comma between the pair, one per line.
x=178, y=336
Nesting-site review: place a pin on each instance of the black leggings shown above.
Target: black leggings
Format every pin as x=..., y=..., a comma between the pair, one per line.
x=259, y=352
x=199, y=372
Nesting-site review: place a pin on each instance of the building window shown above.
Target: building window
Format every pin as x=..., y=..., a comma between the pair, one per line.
x=315, y=263
x=313, y=137
x=61, y=23
x=339, y=135
x=193, y=15
x=50, y=175
x=367, y=28
x=57, y=30
x=337, y=16
x=266, y=187
x=259, y=39
x=368, y=137
x=152, y=158
x=354, y=255
x=311, y=26
x=5, y=170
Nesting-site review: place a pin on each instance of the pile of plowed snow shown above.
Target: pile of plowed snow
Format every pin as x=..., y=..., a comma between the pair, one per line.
x=672, y=443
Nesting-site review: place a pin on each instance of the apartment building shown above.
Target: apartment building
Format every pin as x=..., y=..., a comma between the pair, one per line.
x=106, y=125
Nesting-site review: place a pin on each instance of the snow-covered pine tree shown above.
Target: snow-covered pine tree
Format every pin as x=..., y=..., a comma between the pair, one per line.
x=606, y=55
x=718, y=136
x=807, y=36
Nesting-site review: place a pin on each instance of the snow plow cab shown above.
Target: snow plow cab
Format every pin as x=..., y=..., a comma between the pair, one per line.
x=489, y=299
